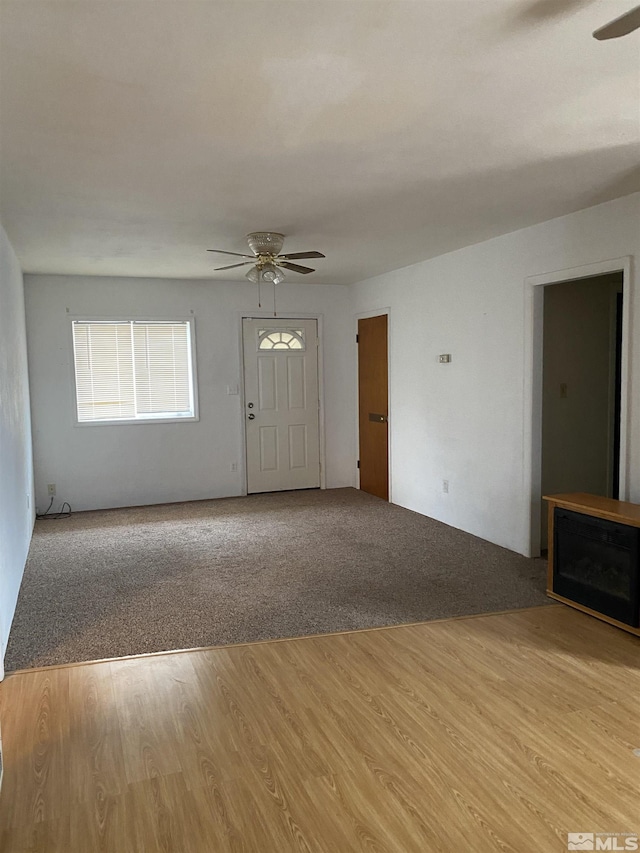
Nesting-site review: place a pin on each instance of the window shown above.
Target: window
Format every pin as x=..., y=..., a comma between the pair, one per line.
x=281, y=339
x=133, y=371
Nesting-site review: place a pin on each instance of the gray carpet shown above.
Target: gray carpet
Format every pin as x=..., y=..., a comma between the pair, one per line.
x=120, y=582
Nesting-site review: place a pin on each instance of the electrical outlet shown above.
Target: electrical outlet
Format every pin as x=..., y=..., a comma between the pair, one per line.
x=28, y=501
x=445, y=487
x=234, y=466
x=51, y=490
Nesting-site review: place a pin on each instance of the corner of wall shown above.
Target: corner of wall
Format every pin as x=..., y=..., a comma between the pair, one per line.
x=17, y=513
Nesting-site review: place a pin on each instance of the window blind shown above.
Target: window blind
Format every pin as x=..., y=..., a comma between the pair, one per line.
x=132, y=370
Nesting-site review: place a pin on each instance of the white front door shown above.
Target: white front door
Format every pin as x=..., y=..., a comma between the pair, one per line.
x=281, y=404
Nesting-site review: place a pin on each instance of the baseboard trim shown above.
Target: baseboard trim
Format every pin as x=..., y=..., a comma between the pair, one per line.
x=202, y=500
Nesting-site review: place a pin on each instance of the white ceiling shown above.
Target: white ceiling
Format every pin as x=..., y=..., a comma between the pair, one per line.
x=138, y=133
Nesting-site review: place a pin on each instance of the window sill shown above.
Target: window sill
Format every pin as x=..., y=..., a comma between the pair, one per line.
x=137, y=422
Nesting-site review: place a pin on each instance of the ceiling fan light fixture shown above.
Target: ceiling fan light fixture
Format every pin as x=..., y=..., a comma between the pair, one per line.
x=265, y=242
x=266, y=261
x=266, y=273
x=270, y=272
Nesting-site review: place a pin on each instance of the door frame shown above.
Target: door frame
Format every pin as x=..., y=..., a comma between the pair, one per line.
x=533, y=354
x=362, y=316
x=268, y=316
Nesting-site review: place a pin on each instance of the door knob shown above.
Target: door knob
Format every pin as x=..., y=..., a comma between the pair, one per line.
x=251, y=416
x=249, y=405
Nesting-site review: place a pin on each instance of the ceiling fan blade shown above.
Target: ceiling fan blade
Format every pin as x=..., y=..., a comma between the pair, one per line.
x=232, y=266
x=237, y=254
x=292, y=255
x=620, y=26
x=295, y=267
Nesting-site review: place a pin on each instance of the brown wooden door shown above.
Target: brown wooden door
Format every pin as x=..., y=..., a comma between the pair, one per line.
x=373, y=394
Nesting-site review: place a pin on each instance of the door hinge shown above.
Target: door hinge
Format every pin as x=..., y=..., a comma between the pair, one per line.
x=358, y=464
x=357, y=339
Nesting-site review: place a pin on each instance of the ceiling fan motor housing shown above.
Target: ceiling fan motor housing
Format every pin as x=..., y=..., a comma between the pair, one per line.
x=265, y=242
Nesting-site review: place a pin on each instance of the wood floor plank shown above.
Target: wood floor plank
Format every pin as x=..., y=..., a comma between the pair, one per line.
x=162, y=816
x=97, y=767
x=615, y=723
x=98, y=824
x=485, y=715
x=146, y=717
x=41, y=837
x=217, y=805
x=360, y=802
x=497, y=734
x=35, y=739
x=286, y=727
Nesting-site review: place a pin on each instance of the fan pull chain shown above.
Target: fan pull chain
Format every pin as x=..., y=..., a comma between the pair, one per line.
x=274, y=300
x=259, y=301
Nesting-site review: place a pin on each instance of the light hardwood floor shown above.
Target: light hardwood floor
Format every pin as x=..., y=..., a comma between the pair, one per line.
x=493, y=733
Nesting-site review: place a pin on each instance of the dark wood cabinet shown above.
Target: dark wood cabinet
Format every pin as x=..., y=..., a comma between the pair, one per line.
x=594, y=557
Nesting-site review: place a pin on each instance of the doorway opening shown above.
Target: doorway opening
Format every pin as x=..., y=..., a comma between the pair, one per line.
x=581, y=388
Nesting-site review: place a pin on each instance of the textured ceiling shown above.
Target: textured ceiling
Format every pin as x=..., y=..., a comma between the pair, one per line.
x=137, y=133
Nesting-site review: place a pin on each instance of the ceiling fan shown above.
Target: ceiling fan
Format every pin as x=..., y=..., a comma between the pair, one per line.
x=620, y=26
x=266, y=261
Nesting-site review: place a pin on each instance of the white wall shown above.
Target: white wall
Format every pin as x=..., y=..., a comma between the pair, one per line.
x=16, y=472
x=465, y=421
x=126, y=465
